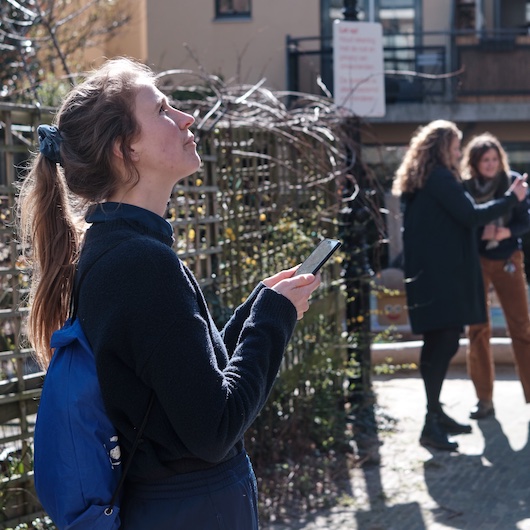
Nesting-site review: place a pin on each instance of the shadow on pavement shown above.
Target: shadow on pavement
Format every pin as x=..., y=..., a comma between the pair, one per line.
x=486, y=491
x=408, y=514
x=404, y=486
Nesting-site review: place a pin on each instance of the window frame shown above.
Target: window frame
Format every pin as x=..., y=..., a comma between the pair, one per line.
x=242, y=14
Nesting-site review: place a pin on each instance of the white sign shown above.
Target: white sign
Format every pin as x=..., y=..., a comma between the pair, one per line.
x=359, y=81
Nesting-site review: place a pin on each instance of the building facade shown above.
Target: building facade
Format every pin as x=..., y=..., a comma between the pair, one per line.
x=463, y=60
x=241, y=41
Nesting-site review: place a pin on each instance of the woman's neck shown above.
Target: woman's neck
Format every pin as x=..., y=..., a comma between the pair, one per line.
x=154, y=200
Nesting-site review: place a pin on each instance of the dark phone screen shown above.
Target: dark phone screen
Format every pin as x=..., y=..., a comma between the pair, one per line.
x=319, y=256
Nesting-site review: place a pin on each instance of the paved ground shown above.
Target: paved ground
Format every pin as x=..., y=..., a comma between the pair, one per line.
x=483, y=486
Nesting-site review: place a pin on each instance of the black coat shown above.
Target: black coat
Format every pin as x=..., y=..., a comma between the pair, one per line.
x=442, y=268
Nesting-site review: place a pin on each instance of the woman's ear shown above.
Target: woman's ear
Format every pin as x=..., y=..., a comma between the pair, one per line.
x=118, y=151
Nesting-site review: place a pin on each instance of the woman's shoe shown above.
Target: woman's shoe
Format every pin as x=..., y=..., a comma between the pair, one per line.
x=482, y=409
x=433, y=435
x=451, y=426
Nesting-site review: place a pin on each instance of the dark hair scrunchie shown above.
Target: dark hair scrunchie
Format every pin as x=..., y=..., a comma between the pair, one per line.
x=50, y=142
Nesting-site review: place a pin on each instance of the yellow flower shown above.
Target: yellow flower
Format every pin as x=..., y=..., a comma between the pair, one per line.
x=198, y=182
x=191, y=234
x=360, y=318
x=262, y=217
x=230, y=234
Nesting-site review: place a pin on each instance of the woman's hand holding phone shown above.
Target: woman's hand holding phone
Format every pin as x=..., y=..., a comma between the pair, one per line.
x=298, y=283
x=520, y=187
x=297, y=289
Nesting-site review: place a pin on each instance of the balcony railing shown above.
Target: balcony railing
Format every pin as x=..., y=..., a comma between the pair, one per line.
x=446, y=67
x=494, y=64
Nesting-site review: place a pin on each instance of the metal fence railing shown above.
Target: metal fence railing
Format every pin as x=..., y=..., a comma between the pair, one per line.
x=442, y=66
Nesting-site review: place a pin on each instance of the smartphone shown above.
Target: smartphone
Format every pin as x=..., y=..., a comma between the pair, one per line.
x=318, y=257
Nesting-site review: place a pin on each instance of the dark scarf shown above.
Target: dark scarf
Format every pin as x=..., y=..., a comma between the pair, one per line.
x=487, y=189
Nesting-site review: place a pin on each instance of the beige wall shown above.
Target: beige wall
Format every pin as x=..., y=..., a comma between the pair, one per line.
x=245, y=50
x=132, y=40
x=436, y=17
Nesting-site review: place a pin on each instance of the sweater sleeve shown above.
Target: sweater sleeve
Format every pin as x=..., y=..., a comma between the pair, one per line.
x=209, y=398
x=520, y=221
x=232, y=328
x=450, y=194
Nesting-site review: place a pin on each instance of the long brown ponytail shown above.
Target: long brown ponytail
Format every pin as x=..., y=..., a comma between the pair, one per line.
x=97, y=115
x=48, y=225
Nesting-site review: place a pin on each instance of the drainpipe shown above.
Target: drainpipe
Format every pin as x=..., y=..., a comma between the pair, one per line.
x=371, y=10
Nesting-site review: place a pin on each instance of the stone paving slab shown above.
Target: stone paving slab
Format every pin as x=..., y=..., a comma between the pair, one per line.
x=483, y=486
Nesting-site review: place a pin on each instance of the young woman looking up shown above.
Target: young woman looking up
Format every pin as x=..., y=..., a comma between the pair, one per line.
x=119, y=146
x=442, y=270
x=487, y=176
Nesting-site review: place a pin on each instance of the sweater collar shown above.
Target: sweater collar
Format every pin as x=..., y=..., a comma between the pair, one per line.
x=112, y=211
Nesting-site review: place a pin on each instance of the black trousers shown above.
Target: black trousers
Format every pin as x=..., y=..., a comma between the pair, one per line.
x=439, y=347
x=224, y=497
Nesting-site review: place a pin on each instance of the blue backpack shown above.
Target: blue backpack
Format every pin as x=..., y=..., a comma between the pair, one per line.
x=78, y=468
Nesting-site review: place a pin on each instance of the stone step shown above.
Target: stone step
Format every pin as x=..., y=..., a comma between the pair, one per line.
x=406, y=352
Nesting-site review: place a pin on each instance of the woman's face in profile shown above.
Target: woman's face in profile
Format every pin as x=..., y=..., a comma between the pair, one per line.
x=489, y=164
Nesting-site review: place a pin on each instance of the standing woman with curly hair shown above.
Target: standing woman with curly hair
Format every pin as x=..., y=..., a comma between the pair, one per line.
x=442, y=270
x=487, y=176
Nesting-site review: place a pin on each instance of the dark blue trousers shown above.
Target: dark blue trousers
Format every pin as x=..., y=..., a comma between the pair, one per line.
x=224, y=497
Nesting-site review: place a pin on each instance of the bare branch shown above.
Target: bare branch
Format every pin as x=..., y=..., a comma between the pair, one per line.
x=41, y=34
x=51, y=31
x=23, y=9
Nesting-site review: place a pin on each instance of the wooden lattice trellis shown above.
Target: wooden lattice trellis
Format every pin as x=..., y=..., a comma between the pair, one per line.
x=258, y=204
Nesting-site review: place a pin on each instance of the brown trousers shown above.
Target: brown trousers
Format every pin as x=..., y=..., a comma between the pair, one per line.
x=511, y=289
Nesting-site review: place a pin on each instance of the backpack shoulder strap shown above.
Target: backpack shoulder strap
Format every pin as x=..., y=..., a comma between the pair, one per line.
x=73, y=312
x=110, y=508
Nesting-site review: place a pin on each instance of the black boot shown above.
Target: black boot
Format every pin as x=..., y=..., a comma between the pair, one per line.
x=451, y=426
x=433, y=434
x=483, y=409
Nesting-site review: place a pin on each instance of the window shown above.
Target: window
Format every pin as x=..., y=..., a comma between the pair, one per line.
x=396, y=4
x=232, y=8
x=401, y=21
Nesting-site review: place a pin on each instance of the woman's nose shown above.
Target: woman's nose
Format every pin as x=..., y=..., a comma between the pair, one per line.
x=185, y=120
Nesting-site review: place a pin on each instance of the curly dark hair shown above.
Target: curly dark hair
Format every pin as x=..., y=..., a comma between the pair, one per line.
x=429, y=147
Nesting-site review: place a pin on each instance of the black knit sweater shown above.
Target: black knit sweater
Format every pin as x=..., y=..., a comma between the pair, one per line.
x=147, y=321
